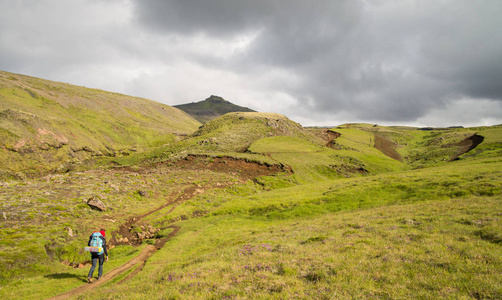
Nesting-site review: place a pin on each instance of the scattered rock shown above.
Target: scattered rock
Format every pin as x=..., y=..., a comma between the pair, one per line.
x=70, y=232
x=4, y=215
x=87, y=149
x=143, y=193
x=95, y=203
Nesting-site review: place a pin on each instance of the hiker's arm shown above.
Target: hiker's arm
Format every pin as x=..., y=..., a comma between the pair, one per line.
x=89, y=242
x=104, y=247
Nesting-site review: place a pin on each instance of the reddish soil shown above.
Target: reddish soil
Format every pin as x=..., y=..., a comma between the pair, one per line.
x=245, y=169
x=330, y=137
x=387, y=147
x=327, y=135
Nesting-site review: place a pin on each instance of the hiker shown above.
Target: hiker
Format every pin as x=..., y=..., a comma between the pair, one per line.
x=97, y=239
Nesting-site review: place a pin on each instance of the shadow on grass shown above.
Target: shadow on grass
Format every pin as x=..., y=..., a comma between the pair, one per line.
x=65, y=276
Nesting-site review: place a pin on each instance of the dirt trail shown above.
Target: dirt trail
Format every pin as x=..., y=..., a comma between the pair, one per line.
x=145, y=254
x=138, y=261
x=247, y=170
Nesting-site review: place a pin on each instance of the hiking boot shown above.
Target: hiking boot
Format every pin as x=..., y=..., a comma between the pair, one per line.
x=99, y=277
x=89, y=279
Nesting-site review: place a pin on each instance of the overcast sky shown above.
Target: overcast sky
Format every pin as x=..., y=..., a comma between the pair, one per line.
x=320, y=62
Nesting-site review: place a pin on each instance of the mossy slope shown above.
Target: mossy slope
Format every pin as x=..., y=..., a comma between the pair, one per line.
x=46, y=125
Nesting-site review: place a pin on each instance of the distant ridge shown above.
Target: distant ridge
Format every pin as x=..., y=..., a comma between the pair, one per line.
x=211, y=108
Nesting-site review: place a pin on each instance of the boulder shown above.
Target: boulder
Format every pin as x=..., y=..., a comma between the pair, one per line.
x=143, y=193
x=95, y=203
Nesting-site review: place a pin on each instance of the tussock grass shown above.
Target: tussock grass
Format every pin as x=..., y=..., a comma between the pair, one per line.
x=428, y=233
x=38, y=213
x=430, y=249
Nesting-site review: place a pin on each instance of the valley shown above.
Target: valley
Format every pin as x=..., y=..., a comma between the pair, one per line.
x=247, y=205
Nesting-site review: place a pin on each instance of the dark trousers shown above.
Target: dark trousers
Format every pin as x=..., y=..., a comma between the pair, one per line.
x=95, y=259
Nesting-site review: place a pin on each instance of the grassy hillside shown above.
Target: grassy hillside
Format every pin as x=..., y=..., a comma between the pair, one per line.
x=426, y=233
x=52, y=126
x=259, y=207
x=211, y=108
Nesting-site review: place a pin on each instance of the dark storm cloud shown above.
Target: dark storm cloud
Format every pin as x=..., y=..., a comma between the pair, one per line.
x=318, y=62
x=385, y=60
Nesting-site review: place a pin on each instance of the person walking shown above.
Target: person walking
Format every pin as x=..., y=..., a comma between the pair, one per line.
x=97, y=239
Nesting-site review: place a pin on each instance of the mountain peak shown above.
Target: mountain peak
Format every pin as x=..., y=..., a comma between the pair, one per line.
x=211, y=108
x=216, y=99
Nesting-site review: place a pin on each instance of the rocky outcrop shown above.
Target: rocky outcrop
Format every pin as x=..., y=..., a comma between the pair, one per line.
x=96, y=203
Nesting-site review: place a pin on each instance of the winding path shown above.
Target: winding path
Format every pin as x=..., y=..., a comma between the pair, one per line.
x=252, y=170
x=138, y=261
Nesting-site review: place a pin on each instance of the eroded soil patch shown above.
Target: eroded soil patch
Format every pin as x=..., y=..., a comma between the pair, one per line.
x=387, y=147
x=467, y=145
x=240, y=167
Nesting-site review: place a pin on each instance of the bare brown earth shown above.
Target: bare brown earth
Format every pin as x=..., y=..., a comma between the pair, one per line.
x=467, y=145
x=330, y=137
x=387, y=147
x=327, y=135
x=239, y=167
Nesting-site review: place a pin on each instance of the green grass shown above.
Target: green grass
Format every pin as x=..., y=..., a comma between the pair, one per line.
x=431, y=249
x=428, y=233
x=46, y=124
x=349, y=222
x=38, y=213
x=453, y=181
x=312, y=162
x=60, y=278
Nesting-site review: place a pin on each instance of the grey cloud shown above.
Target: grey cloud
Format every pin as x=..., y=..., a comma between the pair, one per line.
x=395, y=61
x=392, y=60
x=56, y=39
x=463, y=46
x=218, y=18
